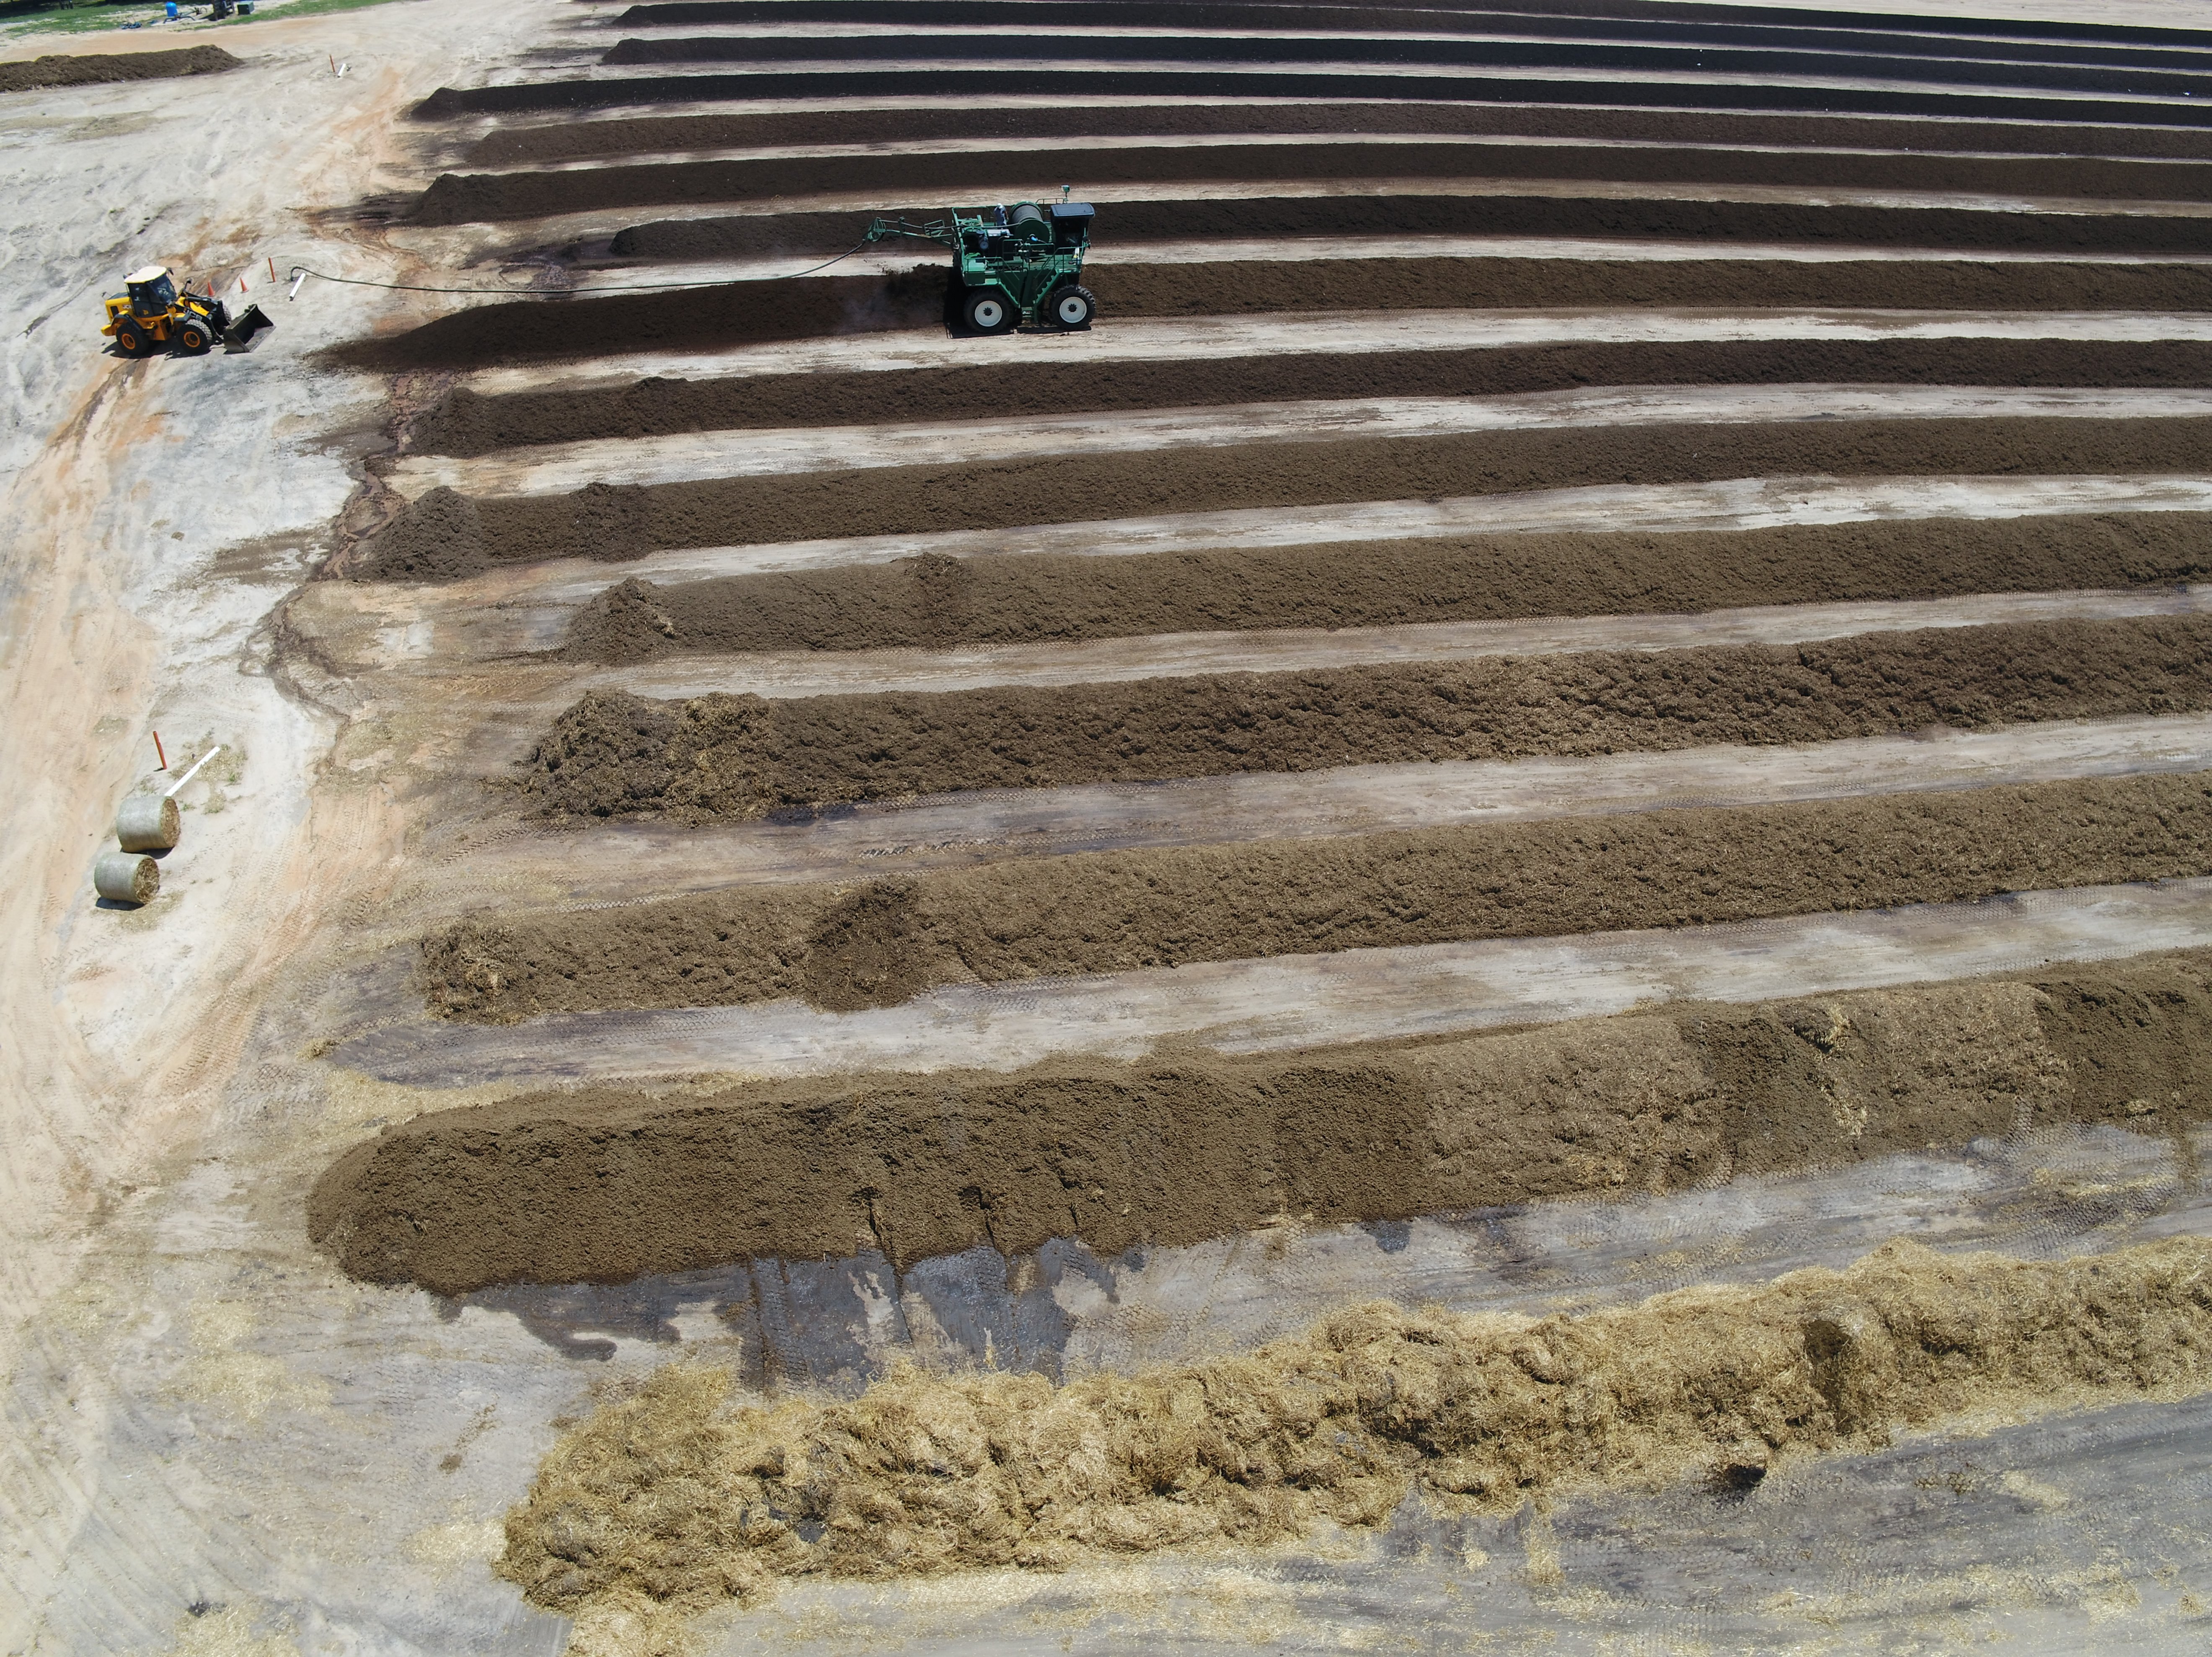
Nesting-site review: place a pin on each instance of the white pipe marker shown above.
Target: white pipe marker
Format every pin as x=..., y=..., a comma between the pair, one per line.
x=194, y=772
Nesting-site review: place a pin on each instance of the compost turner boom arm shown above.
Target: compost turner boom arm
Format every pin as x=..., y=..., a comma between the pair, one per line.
x=943, y=231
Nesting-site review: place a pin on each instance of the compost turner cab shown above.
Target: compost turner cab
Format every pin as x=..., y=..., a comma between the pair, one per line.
x=1011, y=266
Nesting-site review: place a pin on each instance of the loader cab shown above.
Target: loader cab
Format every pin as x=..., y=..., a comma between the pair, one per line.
x=152, y=291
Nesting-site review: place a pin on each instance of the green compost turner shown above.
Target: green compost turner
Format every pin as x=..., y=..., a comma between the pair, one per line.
x=1013, y=265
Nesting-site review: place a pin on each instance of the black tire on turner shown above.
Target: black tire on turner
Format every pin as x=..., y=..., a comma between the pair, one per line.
x=989, y=311
x=1071, y=307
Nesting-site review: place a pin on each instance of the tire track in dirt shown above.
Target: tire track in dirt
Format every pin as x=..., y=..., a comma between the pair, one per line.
x=444, y=535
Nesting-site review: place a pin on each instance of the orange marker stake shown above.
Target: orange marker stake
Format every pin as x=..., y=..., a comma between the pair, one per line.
x=272, y=267
x=158, y=754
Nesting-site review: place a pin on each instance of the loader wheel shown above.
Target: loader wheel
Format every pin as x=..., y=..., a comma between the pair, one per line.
x=191, y=339
x=986, y=311
x=130, y=342
x=1072, y=308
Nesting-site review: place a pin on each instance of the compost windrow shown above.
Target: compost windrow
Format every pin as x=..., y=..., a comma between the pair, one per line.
x=723, y=757
x=467, y=423
x=1106, y=912
x=933, y=602
x=607, y=1183
x=467, y=198
x=1383, y=218
x=1273, y=54
x=1772, y=27
x=778, y=129
x=725, y=314
x=996, y=84
x=100, y=68
x=445, y=535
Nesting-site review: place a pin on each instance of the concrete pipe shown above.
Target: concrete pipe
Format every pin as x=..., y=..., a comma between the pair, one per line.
x=126, y=877
x=148, y=822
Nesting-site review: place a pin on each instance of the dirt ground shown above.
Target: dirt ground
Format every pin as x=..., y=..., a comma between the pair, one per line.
x=1588, y=686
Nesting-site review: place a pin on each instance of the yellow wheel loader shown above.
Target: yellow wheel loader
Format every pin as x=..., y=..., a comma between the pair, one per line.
x=153, y=316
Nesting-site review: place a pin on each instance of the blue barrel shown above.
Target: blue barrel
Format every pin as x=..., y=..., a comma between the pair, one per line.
x=171, y=8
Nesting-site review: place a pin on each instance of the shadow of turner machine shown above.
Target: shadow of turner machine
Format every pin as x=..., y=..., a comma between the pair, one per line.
x=1012, y=265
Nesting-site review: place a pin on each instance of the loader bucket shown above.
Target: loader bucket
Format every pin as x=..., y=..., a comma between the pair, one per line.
x=246, y=329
